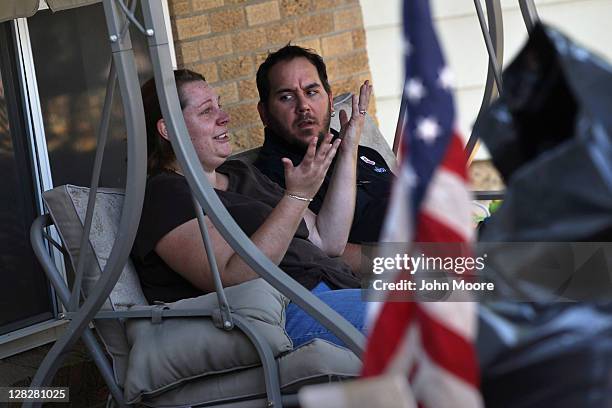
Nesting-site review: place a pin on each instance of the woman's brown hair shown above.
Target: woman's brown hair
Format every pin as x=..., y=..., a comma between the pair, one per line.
x=159, y=150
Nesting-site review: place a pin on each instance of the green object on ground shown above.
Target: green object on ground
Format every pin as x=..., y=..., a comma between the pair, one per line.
x=494, y=206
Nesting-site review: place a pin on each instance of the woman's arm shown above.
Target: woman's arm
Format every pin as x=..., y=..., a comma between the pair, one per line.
x=330, y=228
x=183, y=249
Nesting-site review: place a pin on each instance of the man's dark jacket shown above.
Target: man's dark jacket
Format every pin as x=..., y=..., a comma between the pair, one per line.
x=374, y=180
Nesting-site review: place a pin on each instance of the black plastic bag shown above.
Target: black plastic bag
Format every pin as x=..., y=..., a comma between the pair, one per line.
x=550, y=136
x=557, y=355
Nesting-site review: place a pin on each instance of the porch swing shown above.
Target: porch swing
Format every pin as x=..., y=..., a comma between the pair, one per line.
x=98, y=227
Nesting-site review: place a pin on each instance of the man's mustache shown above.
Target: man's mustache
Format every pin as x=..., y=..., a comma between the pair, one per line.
x=306, y=118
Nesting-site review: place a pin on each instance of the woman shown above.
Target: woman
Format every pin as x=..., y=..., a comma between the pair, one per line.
x=169, y=253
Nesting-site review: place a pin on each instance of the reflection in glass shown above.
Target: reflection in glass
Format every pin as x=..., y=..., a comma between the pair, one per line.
x=72, y=60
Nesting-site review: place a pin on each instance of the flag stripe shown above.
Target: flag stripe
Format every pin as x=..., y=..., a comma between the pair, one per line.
x=448, y=350
x=455, y=159
x=399, y=210
x=393, y=320
x=430, y=229
x=449, y=391
x=458, y=316
x=406, y=356
x=448, y=202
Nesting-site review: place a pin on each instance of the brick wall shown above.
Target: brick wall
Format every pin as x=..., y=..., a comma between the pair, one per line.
x=226, y=40
x=484, y=176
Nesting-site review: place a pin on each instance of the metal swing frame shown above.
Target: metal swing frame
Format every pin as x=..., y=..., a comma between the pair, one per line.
x=123, y=71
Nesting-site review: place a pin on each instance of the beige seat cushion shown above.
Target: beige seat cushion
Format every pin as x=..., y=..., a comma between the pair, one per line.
x=177, y=350
x=317, y=361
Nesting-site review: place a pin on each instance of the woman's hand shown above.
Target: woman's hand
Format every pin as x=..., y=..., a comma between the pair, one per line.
x=305, y=179
x=350, y=129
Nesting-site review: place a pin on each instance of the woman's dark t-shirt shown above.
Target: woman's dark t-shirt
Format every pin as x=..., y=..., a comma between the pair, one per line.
x=249, y=199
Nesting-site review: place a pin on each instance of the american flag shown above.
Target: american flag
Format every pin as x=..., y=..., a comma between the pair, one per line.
x=430, y=342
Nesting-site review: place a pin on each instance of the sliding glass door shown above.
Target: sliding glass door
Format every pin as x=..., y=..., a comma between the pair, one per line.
x=25, y=296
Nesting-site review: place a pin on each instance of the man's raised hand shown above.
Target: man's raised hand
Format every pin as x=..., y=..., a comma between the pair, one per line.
x=350, y=129
x=306, y=178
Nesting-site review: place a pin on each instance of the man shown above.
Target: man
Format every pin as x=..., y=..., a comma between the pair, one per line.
x=295, y=104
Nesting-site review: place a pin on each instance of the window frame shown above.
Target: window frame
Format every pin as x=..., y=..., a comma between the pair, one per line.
x=50, y=330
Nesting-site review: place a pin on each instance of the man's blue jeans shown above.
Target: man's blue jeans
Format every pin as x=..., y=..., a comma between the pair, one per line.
x=302, y=328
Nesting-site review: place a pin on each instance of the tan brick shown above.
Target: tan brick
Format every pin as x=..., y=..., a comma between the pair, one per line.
x=247, y=89
x=187, y=52
x=359, y=38
x=347, y=65
x=262, y=13
x=261, y=57
x=337, y=44
x=240, y=140
x=192, y=27
x=365, y=75
x=227, y=20
x=208, y=69
x=350, y=84
x=199, y=5
x=316, y=24
x=228, y=93
x=217, y=34
x=345, y=19
x=247, y=138
x=341, y=86
x=249, y=40
x=256, y=134
x=281, y=33
x=179, y=7
x=235, y=67
x=295, y=7
x=325, y=4
x=243, y=115
x=313, y=44
x=484, y=176
x=215, y=46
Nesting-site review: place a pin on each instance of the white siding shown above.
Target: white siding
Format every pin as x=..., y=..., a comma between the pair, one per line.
x=584, y=20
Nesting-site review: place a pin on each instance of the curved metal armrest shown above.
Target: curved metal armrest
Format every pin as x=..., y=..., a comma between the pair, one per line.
x=40, y=250
x=37, y=240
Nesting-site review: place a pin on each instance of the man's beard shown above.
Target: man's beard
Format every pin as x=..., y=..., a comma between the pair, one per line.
x=283, y=131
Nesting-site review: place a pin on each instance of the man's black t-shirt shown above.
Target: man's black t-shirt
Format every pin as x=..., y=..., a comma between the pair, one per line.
x=249, y=199
x=374, y=179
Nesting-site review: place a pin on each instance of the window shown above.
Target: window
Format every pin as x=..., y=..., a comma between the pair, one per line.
x=25, y=297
